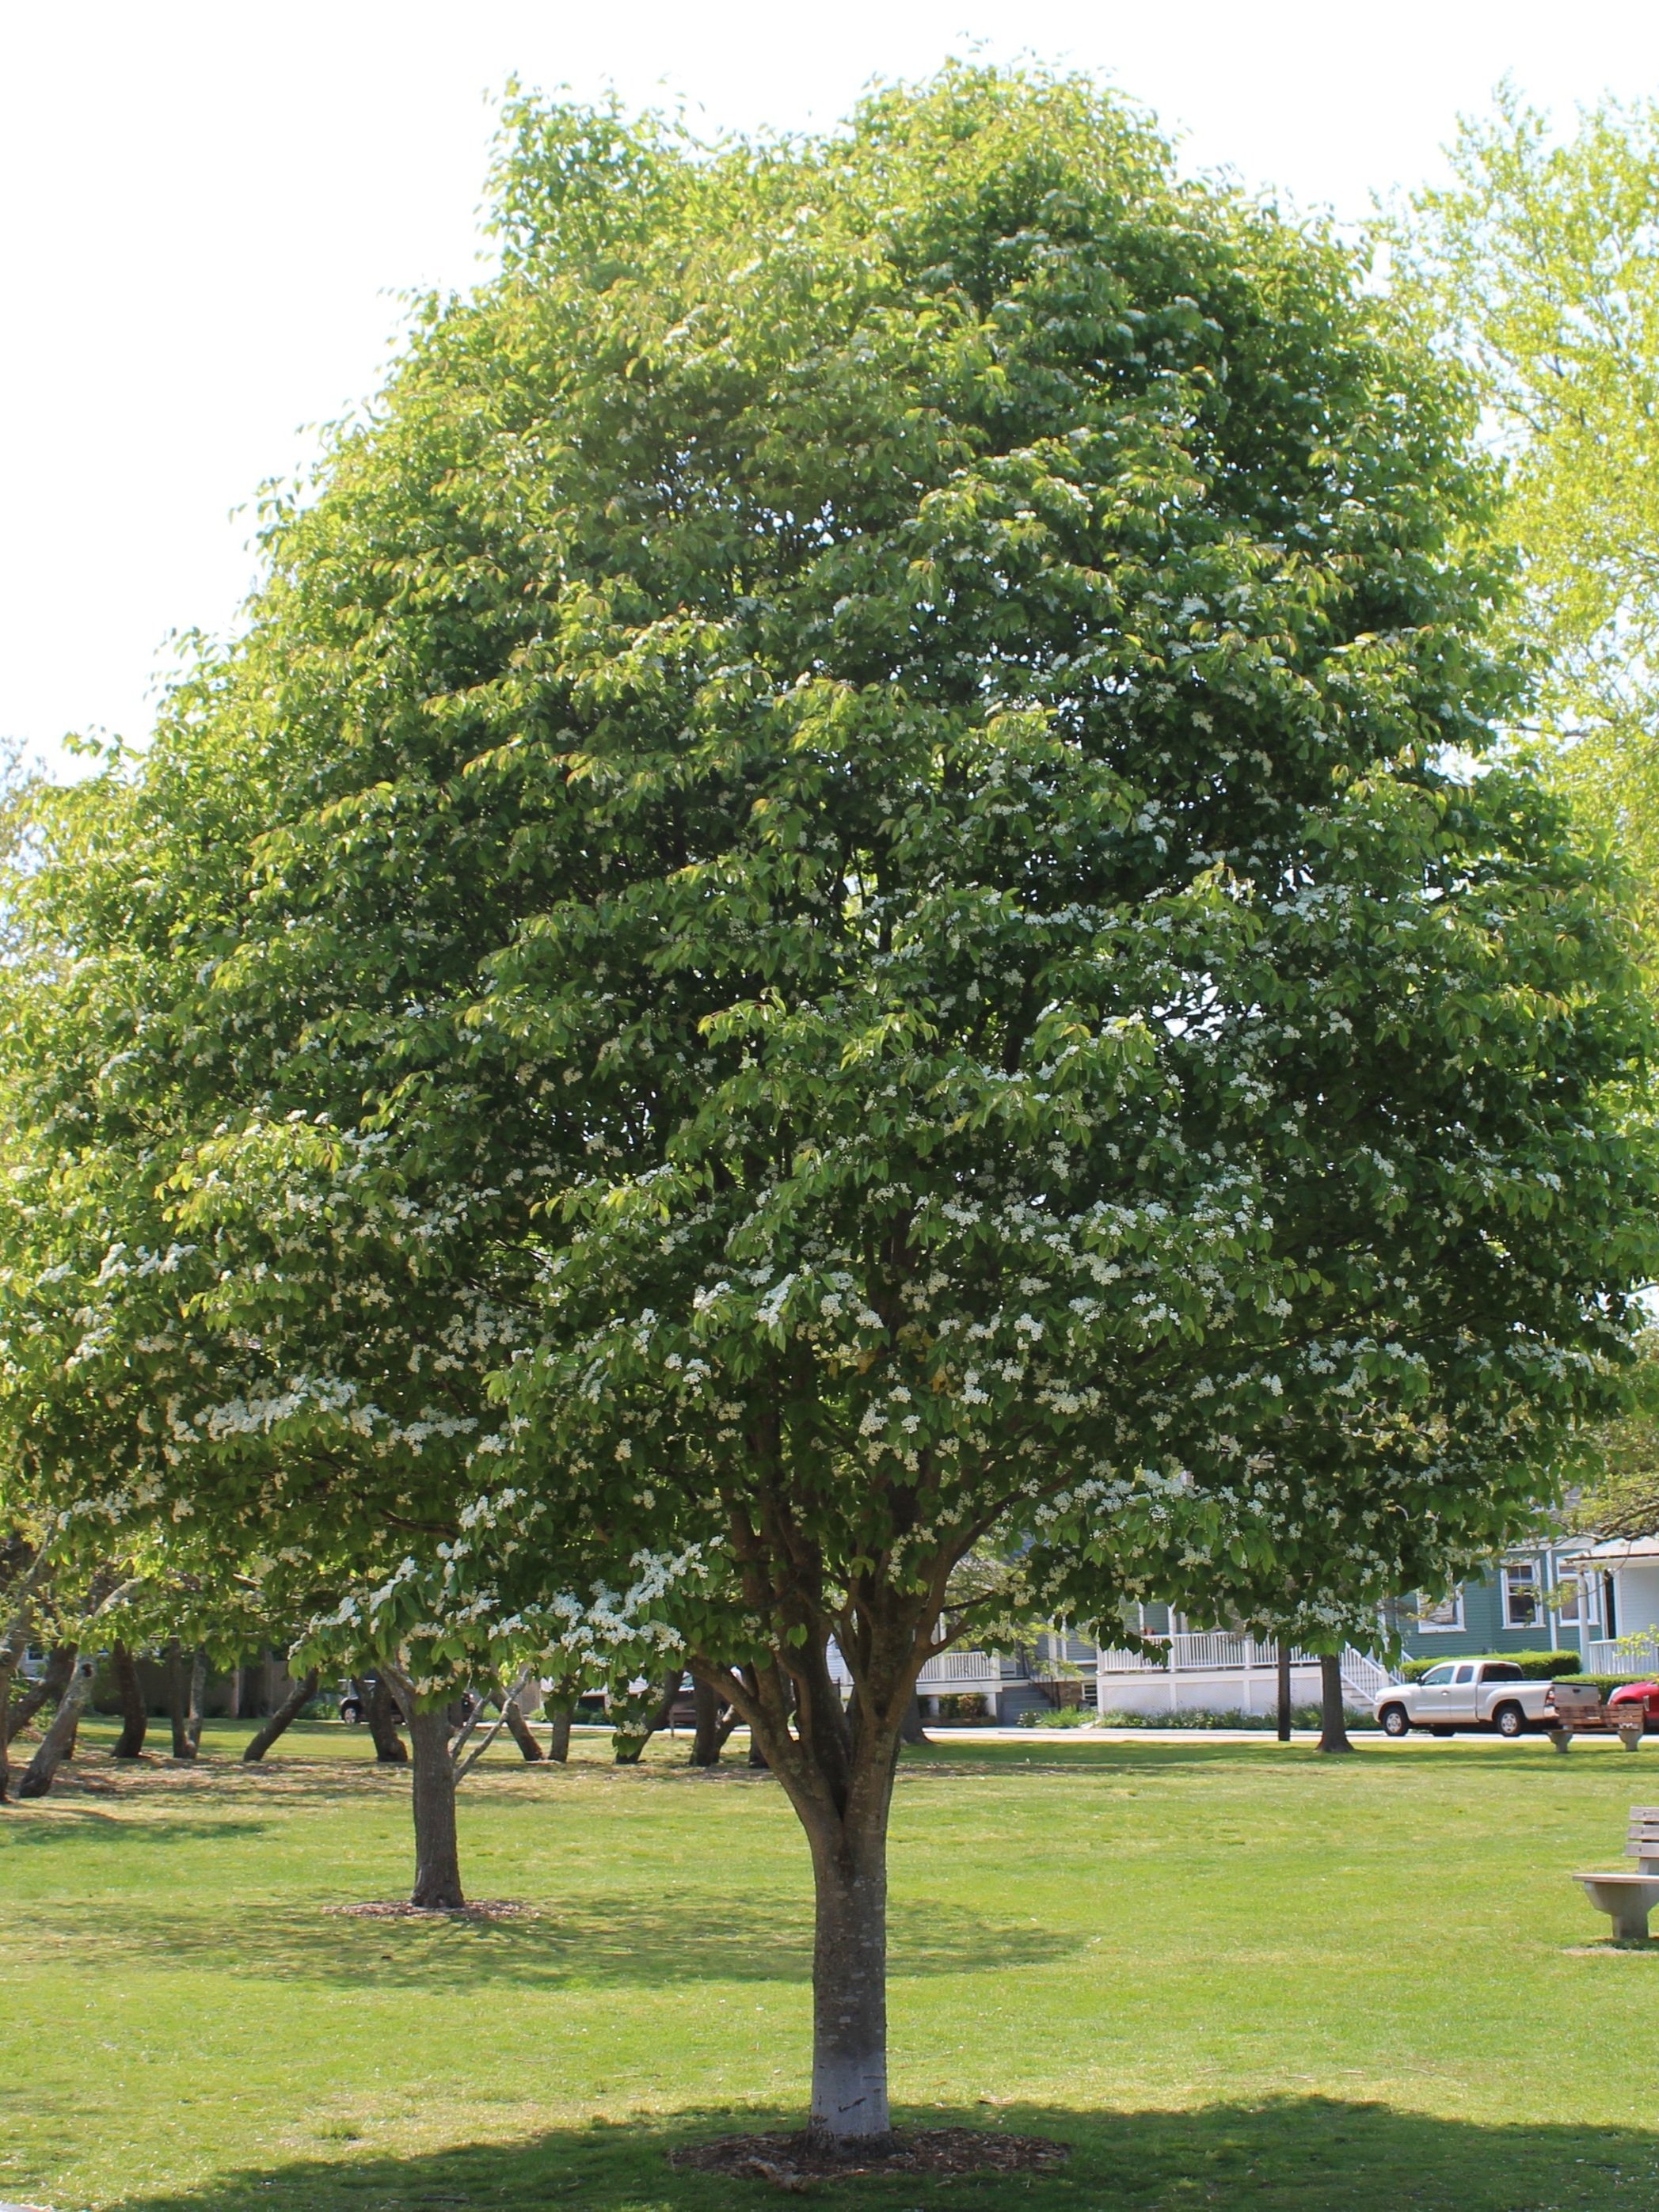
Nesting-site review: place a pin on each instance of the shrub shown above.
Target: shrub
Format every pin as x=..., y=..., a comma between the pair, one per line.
x=1535, y=1666
x=1200, y=1717
x=1067, y=1717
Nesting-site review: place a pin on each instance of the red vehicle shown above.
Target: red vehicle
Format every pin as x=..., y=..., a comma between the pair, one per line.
x=1645, y=1694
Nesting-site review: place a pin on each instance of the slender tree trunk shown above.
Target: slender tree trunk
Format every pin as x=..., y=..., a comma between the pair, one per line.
x=49, y=1689
x=56, y=1743
x=390, y=1749
x=437, y=1848
x=135, y=1721
x=1333, y=1729
x=521, y=1733
x=716, y=1722
x=299, y=1696
x=911, y=1730
x=1284, y=1691
x=559, y=1713
x=849, y=1988
x=178, y=1713
x=198, y=1675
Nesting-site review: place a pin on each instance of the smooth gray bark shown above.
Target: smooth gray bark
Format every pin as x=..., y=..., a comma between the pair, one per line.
x=628, y=1748
x=194, y=1718
x=178, y=1701
x=1333, y=1726
x=135, y=1720
x=522, y=1734
x=849, y=1992
x=437, y=1847
x=56, y=1744
x=299, y=1696
x=390, y=1749
x=1284, y=1687
x=48, y=1690
x=716, y=1722
x=560, y=1711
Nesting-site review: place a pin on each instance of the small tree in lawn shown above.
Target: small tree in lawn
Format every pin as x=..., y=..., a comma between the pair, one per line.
x=1081, y=1065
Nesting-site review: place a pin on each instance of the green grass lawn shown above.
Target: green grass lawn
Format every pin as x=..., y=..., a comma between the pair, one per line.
x=1229, y=1975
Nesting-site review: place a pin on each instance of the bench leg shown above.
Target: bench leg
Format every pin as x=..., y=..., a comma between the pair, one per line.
x=1631, y=1738
x=1630, y=1923
x=1561, y=1738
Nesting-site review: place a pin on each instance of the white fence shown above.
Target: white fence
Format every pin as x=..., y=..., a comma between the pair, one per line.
x=1627, y=1656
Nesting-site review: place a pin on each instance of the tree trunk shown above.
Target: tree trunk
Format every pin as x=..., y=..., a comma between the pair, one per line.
x=55, y=1744
x=911, y=1730
x=1332, y=1731
x=849, y=1992
x=49, y=1689
x=299, y=1696
x=628, y=1746
x=390, y=1749
x=1284, y=1691
x=836, y=1764
x=135, y=1721
x=182, y=1745
x=437, y=1849
x=559, y=1713
x=198, y=1675
x=521, y=1733
x=716, y=1722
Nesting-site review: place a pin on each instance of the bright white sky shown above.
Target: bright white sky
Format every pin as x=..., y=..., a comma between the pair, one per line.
x=207, y=211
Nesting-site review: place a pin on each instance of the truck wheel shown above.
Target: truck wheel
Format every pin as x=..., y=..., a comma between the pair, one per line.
x=1510, y=1720
x=1395, y=1721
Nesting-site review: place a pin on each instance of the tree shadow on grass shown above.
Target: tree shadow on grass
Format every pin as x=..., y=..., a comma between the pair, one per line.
x=1286, y=2155
x=585, y=1943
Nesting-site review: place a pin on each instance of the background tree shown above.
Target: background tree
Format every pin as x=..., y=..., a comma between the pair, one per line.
x=1536, y=270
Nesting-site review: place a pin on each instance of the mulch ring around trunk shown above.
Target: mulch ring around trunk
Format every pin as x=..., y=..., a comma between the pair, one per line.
x=796, y=2162
x=485, y=1908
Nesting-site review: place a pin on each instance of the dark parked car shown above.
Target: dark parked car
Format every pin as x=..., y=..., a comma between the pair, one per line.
x=351, y=1704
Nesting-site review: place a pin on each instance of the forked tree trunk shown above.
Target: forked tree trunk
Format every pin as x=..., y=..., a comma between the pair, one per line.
x=58, y=1742
x=48, y=1690
x=437, y=1847
x=135, y=1720
x=177, y=1708
x=1283, y=1685
x=193, y=1719
x=390, y=1749
x=299, y=1696
x=1333, y=1726
x=521, y=1732
x=559, y=1713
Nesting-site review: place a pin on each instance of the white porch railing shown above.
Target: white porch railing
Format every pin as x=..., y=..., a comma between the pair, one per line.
x=961, y=1670
x=1627, y=1656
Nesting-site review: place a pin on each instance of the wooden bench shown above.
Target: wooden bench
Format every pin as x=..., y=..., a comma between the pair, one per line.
x=1627, y=1899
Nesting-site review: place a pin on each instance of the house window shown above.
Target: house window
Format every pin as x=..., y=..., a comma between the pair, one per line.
x=1441, y=1616
x=1566, y=1599
x=1523, y=1606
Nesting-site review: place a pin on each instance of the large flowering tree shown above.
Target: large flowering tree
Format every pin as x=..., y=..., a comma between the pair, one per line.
x=854, y=846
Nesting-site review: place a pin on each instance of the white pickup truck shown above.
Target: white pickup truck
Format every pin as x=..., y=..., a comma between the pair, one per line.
x=1483, y=1694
